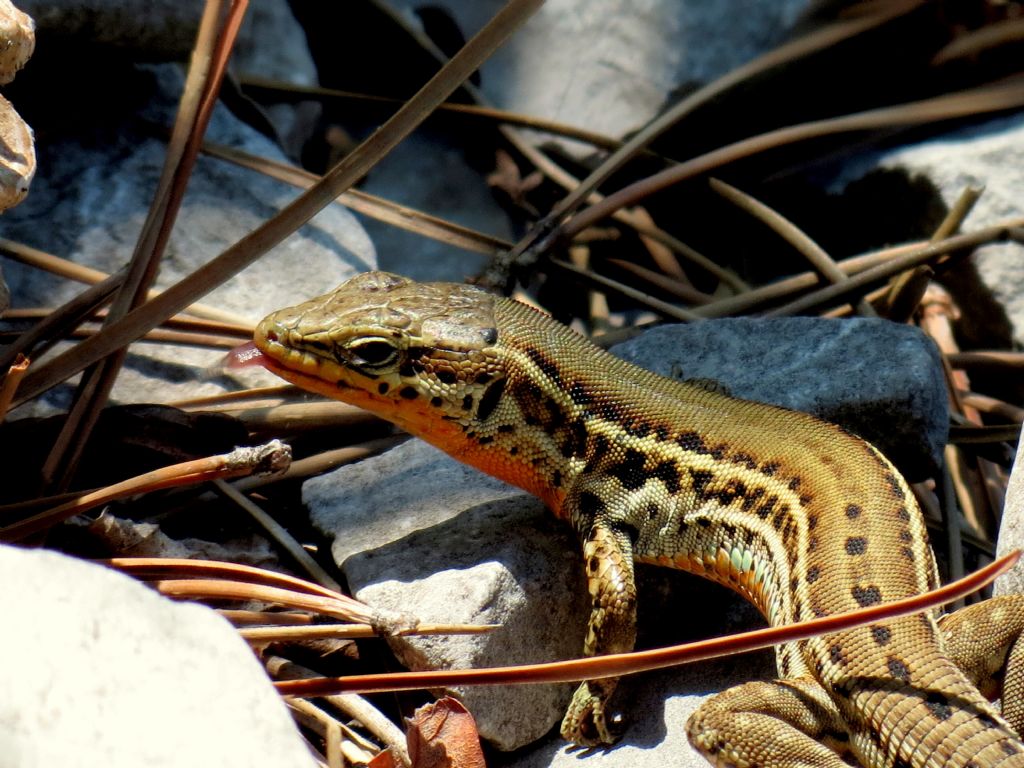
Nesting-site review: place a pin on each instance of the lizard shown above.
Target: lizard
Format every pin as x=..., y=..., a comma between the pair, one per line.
x=799, y=516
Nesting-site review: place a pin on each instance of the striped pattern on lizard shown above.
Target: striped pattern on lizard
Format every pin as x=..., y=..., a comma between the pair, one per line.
x=795, y=514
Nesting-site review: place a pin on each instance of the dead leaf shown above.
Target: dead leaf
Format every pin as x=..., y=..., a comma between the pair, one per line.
x=444, y=735
x=383, y=759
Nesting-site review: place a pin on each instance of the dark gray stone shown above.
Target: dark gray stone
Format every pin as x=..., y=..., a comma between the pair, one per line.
x=880, y=380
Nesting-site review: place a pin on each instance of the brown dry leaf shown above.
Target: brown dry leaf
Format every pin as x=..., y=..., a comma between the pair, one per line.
x=383, y=759
x=444, y=735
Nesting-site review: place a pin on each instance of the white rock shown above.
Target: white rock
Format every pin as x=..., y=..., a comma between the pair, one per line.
x=100, y=670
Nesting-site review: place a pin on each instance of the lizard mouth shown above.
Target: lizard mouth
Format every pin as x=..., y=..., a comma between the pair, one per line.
x=250, y=354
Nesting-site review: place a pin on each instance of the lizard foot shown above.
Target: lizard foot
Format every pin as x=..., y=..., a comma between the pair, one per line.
x=585, y=722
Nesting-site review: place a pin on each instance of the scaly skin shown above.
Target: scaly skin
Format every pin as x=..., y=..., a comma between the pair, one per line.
x=795, y=514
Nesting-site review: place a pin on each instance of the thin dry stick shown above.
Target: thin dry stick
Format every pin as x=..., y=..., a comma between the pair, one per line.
x=932, y=252
x=978, y=40
x=903, y=296
x=316, y=464
x=378, y=208
x=987, y=359
x=319, y=721
x=491, y=114
x=988, y=404
x=34, y=257
x=9, y=385
x=50, y=329
x=973, y=488
x=960, y=434
x=331, y=604
x=162, y=336
x=671, y=285
x=292, y=418
x=935, y=322
x=177, y=567
x=179, y=322
x=253, y=397
x=758, y=297
x=655, y=305
x=294, y=215
x=279, y=533
x=272, y=457
x=241, y=618
x=792, y=234
x=351, y=704
x=326, y=461
x=278, y=634
x=332, y=744
x=906, y=286
x=962, y=104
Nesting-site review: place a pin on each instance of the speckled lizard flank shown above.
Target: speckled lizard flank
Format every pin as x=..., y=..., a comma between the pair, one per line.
x=797, y=515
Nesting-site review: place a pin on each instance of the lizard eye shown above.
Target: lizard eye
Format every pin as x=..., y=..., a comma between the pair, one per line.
x=374, y=352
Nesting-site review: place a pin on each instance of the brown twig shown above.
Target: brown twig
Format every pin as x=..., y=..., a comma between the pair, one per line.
x=971, y=102
x=48, y=262
x=272, y=457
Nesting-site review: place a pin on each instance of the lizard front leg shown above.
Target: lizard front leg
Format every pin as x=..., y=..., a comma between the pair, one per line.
x=608, y=556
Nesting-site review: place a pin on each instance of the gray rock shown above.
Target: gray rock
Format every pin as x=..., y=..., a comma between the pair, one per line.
x=103, y=671
x=89, y=202
x=880, y=380
x=415, y=531
x=608, y=65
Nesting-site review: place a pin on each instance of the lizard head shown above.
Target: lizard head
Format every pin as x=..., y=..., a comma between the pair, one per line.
x=418, y=354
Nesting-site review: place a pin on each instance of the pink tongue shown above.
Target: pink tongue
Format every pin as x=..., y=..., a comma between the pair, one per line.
x=244, y=356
